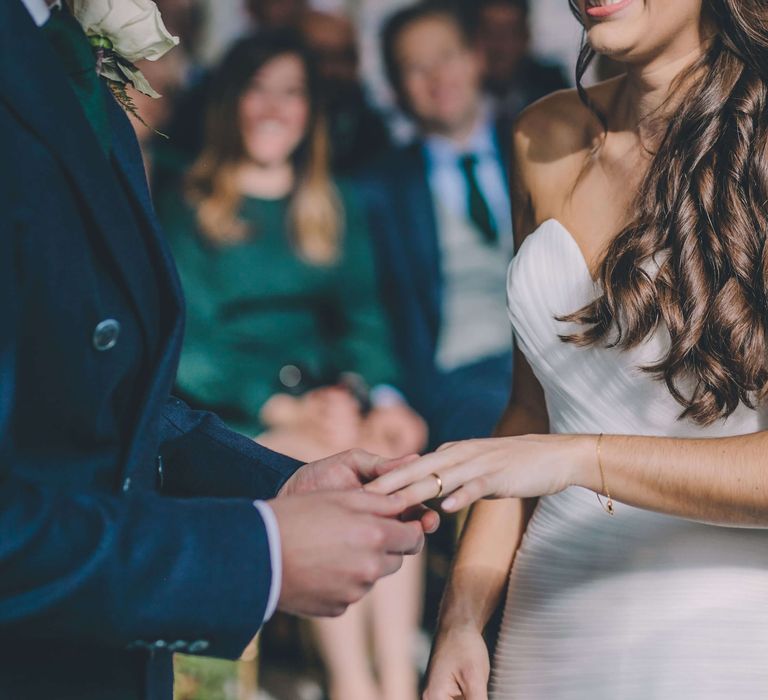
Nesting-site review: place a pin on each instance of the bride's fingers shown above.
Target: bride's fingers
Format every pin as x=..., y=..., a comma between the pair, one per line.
x=435, y=463
x=446, y=446
x=430, y=487
x=400, y=478
x=466, y=495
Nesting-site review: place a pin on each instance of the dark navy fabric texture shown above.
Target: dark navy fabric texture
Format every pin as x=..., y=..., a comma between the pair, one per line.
x=127, y=528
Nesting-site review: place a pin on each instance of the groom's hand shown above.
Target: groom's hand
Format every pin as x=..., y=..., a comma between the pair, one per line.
x=350, y=471
x=335, y=546
x=343, y=472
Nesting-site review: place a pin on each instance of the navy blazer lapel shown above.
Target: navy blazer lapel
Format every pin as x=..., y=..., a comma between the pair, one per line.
x=35, y=87
x=129, y=163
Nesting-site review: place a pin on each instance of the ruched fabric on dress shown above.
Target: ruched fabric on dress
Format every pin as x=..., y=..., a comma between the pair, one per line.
x=640, y=606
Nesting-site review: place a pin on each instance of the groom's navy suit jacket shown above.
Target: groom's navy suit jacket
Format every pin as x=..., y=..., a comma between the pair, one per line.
x=127, y=528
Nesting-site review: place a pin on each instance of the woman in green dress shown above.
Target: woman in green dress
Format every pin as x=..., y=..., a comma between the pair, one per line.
x=285, y=336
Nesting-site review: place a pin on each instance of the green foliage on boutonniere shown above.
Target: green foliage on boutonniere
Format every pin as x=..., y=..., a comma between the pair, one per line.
x=121, y=33
x=119, y=73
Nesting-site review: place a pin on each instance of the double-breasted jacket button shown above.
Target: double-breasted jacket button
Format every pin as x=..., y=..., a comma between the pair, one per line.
x=160, y=473
x=105, y=334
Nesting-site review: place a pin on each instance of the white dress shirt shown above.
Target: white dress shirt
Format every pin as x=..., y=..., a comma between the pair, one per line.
x=474, y=324
x=40, y=11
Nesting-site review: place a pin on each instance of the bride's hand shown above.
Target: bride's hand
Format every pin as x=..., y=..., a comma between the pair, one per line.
x=509, y=467
x=459, y=667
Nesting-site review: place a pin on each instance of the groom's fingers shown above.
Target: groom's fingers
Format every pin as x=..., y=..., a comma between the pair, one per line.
x=429, y=519
x=369, y=466
x=401, y=538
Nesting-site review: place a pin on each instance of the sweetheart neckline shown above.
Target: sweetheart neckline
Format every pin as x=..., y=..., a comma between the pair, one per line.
x=573, y=241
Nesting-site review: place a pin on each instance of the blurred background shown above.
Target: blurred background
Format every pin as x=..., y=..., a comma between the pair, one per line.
x=332, y=177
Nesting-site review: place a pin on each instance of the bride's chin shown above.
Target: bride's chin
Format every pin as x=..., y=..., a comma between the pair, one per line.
x=612, y=50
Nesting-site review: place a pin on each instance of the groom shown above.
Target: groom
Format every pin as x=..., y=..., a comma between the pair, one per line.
x=132, y=527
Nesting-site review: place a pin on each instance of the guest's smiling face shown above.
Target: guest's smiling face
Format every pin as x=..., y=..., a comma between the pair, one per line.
x=638, y=31
x=440, y=74
x=274, y=111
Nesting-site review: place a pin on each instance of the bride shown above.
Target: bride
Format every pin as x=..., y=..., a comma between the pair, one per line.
x=639, y=300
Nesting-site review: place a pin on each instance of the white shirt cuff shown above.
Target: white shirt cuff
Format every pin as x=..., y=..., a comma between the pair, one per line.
x=385, y=396
x=275, y=556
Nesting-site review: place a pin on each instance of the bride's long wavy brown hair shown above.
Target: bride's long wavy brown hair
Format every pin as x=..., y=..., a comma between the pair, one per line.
x=701, y=214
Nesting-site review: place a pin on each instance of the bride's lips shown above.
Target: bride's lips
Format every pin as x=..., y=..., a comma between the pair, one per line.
x=605, y=8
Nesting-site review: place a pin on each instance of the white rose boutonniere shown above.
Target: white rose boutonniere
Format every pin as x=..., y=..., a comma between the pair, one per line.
x=123, y=32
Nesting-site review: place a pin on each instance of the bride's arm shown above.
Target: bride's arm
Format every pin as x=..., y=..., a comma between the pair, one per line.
x=494, y=529
x=483, y=560
x=722, y=481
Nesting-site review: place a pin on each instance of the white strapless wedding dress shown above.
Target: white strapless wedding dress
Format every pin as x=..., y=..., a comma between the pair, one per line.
x=639, y=606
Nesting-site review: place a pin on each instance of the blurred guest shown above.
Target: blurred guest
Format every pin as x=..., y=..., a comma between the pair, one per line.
x=171, y=76
x=285, y=331
x=440, y=215
x=276, y=14
x=186, y=124
x=358, y=133
x=168, y=77
x=184, y=19
x=512, y=75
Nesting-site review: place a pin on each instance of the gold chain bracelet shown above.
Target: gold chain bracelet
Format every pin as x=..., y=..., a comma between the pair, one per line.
x=608, y=505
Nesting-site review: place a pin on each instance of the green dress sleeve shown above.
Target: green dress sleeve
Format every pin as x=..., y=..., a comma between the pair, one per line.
x=364, y=345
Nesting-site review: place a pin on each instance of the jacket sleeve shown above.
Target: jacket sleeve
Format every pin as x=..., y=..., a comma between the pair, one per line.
x=202, y=457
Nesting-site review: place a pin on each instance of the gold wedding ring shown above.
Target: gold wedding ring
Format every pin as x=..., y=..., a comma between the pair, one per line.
x=439, y=485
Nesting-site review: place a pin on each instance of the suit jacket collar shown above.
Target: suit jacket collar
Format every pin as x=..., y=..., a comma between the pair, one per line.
x=35, y=87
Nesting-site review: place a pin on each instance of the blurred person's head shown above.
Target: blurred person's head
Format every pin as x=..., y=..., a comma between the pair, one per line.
x=434, y=68
x=332, y=39
x=502, y=33
x=264, y=115
x=184, y=19
x=276, y=14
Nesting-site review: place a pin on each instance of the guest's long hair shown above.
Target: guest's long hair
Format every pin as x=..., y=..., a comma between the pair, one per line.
x=701, y=213
x=315, y=216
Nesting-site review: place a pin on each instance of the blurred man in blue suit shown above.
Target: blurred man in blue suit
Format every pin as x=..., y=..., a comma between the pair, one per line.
x=132, y=527
x=441, y=220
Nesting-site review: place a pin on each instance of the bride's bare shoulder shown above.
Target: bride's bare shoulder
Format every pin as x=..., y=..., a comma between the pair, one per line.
x=561, y=125
x=551, y=140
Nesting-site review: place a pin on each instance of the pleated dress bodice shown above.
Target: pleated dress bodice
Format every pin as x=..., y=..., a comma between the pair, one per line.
x=642, y=605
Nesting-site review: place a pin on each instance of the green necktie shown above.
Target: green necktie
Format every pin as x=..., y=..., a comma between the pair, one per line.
x=479, y=211
x=79, y=63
